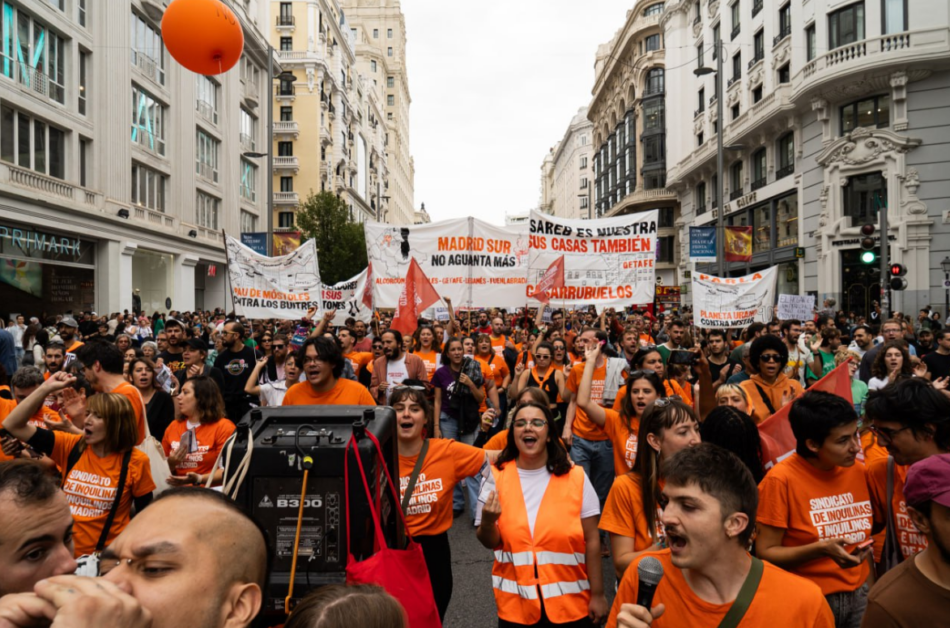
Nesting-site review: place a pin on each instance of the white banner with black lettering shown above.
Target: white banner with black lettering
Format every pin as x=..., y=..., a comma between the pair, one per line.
x=346, y=297
x=725, y=302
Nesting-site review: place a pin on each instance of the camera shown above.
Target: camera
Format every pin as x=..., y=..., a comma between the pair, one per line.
x=682, y=357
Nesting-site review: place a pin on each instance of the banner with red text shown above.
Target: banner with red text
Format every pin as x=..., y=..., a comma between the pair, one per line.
x=471, y=262
x=274, y=287
x=346, y=297
x=724, y=302
x=609, y=262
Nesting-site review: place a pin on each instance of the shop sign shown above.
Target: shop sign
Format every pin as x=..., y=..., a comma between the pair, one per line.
x=39, y=244
x=850, y=241
x=742, y=202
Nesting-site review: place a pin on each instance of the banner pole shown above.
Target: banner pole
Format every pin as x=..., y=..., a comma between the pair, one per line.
x=227, y=270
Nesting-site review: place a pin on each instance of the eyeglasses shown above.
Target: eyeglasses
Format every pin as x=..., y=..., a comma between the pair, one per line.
x=770, y=357
x=541, y=357
x=407, y=387
x=887, y=433
x=663, y=402
x=311, y=360
x=535, y=423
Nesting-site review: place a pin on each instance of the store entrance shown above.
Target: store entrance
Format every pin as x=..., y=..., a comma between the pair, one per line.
x=860, y=282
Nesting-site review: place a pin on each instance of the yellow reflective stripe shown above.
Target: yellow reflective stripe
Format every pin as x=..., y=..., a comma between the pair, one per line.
x=519, y=559
x=561, y=558
x=556, y=589
x=510, y=586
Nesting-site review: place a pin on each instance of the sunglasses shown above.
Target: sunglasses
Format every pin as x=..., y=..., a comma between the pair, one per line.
x=278, y=346
x=542, y=357
x=663, y=402
x=405, y=387
x=770, y=357
x=640, y=373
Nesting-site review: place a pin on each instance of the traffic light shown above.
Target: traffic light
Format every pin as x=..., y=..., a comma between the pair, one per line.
x=897, y=280
x=867, y=244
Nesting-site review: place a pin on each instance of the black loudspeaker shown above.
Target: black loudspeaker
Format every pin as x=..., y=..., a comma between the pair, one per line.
x=270, y=491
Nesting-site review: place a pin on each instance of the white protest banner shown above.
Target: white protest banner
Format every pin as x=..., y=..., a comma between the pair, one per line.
x=346, y=298
x=274, y=287
x=724, y=302
x=473, y=263
x=792, y=307
x=610, y=262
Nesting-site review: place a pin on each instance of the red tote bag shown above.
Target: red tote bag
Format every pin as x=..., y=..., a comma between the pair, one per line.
x=402, y=573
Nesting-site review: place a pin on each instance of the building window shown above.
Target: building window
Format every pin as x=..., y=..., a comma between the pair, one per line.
x=83, y=161
x=286, y=114
x=716, y=41
x=735, y=111
x=785, y=74
x=148, y=121
x=389, y=115
x=700, y=139
x=390, y=82
x=285, y=220
x=759, y=169
x=699, y=199
x=666, y=247
x=389, y=33
x=784, y=22
x=248, y=181
x=786, y=221
x=148, y=187
x=389, y=51
x=786, y=155
x=206, y=210
x=735, y=181
x=81, y=8
x=206, y=156
x=584, y=183
x=864, y=196
x=286, y=44
x=653, y=9
x=148, y=49
x=83, y=80
x=206, y=98
x=757, y=7
x=286, y=16
x=250, y=74
x=811, y=43
x=32, y=144
x=375, y=33
x=285, y=149
x=736, y=17
x=654, y=180
x=583, y=163
x=655, y=81
x=666, y=218
x=762, y=228
x=652, y=43
x=653, y=115
x=248, y=135
x=286, y=88
x=390, y=100
x=736, y=67
x=715, y=191
x=584, y=202
x=757, y=94
x=654, y=150
x=700, y=54
x=33, y=55
x=872, y=112
x=248, y=222
x=372, y=65
x=702, y=101
x=758, y=46
x=286, y=184
x=846, y=26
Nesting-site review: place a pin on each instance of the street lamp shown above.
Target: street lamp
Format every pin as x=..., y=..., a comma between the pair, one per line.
x=945, y=265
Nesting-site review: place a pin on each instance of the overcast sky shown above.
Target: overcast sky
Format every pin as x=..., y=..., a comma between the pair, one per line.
x=494, y=86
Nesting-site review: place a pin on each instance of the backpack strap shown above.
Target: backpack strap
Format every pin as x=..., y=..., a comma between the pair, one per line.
x=746, y=594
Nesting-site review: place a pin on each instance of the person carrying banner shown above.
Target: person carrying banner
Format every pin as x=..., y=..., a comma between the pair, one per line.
x=769, y=388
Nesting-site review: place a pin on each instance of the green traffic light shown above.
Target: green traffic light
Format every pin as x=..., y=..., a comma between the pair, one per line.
x=868, y=257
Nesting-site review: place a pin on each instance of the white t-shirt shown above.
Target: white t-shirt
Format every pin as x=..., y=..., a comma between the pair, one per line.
x=534, y=483
x=272, y=393
x=876, y=383
x=396, y=373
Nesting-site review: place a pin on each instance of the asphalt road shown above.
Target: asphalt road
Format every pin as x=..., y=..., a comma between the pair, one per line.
x=473, y=603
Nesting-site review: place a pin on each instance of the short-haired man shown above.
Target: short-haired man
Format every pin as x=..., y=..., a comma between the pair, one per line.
x=173, y=354
x=917, y=593
x=67, y=329
x=322, y=362
x=677, y=332
x=893, y=331
x=151, y=569
x=709, y=519
x=938, y=360
x=357, y=359
x=394, y=367
x=862, y=340
x=364, y=343
x=54, y=358
x=484, y=324
x=23, y=383
x=36, y=538
x=235, y=361
x=102, y=366
x=912, y=420
x=924, y=344
x=798, y=357
x=499, y=339
x=194, y=356
x=717, y=354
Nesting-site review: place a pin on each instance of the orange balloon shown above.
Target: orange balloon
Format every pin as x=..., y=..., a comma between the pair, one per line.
x=203, y=35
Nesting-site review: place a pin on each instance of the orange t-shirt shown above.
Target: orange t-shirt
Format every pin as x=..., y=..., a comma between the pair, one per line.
x=345, y=393
x=624, y=441
x=432, y=361
x=497, y=367
x=447, y=462
x=37, y=420
x=358, y=360
x=583, y=427
x=90, y=489
x=132, y=393
x=910, y=539
x=486, y=376
x=623, y=513
x=497, y=442
x=498, y=344
x=811, y=505
x=6, y=405
x=781, y=599
x=211, y=438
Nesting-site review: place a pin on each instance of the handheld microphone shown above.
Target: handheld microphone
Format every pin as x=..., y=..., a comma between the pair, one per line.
x=649, y=574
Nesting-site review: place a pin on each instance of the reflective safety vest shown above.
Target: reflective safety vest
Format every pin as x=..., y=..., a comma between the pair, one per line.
x=552, y=562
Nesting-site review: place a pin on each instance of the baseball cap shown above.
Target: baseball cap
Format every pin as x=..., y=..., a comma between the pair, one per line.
x=68, y=321
x=197, y=343
x=173, y=321
x=929, y=480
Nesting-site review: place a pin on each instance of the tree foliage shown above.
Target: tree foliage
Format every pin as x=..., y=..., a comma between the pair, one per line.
x=341, y=244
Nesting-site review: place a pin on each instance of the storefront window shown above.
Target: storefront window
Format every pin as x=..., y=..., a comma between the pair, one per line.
x=786, y=221
x=762, y=228
x=787, y=278
x=151, y=280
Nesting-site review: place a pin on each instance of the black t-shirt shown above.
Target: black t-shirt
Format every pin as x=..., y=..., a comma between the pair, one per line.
x=716, y=369
x=174, y=361
x=160, y=411
x=207, y=371
x=938, y=365
x=236, y=369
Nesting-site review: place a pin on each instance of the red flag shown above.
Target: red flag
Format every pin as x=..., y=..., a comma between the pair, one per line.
x=368, y=288
x=417, y=295
x=553, y=278
x=778, y=441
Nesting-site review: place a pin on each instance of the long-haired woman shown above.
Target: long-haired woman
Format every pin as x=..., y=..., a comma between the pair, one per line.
x=891, y=363
x=543, y=375
x=159, y=405
x=631, y=513
x=429, y=349
x=533, y=480
x=92, y=463
x=194, y=441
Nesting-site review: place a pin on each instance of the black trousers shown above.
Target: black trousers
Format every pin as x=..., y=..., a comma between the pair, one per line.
x=439, y=563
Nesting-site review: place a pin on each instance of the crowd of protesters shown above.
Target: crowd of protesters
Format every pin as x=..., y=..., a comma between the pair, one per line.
x=563, y=436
